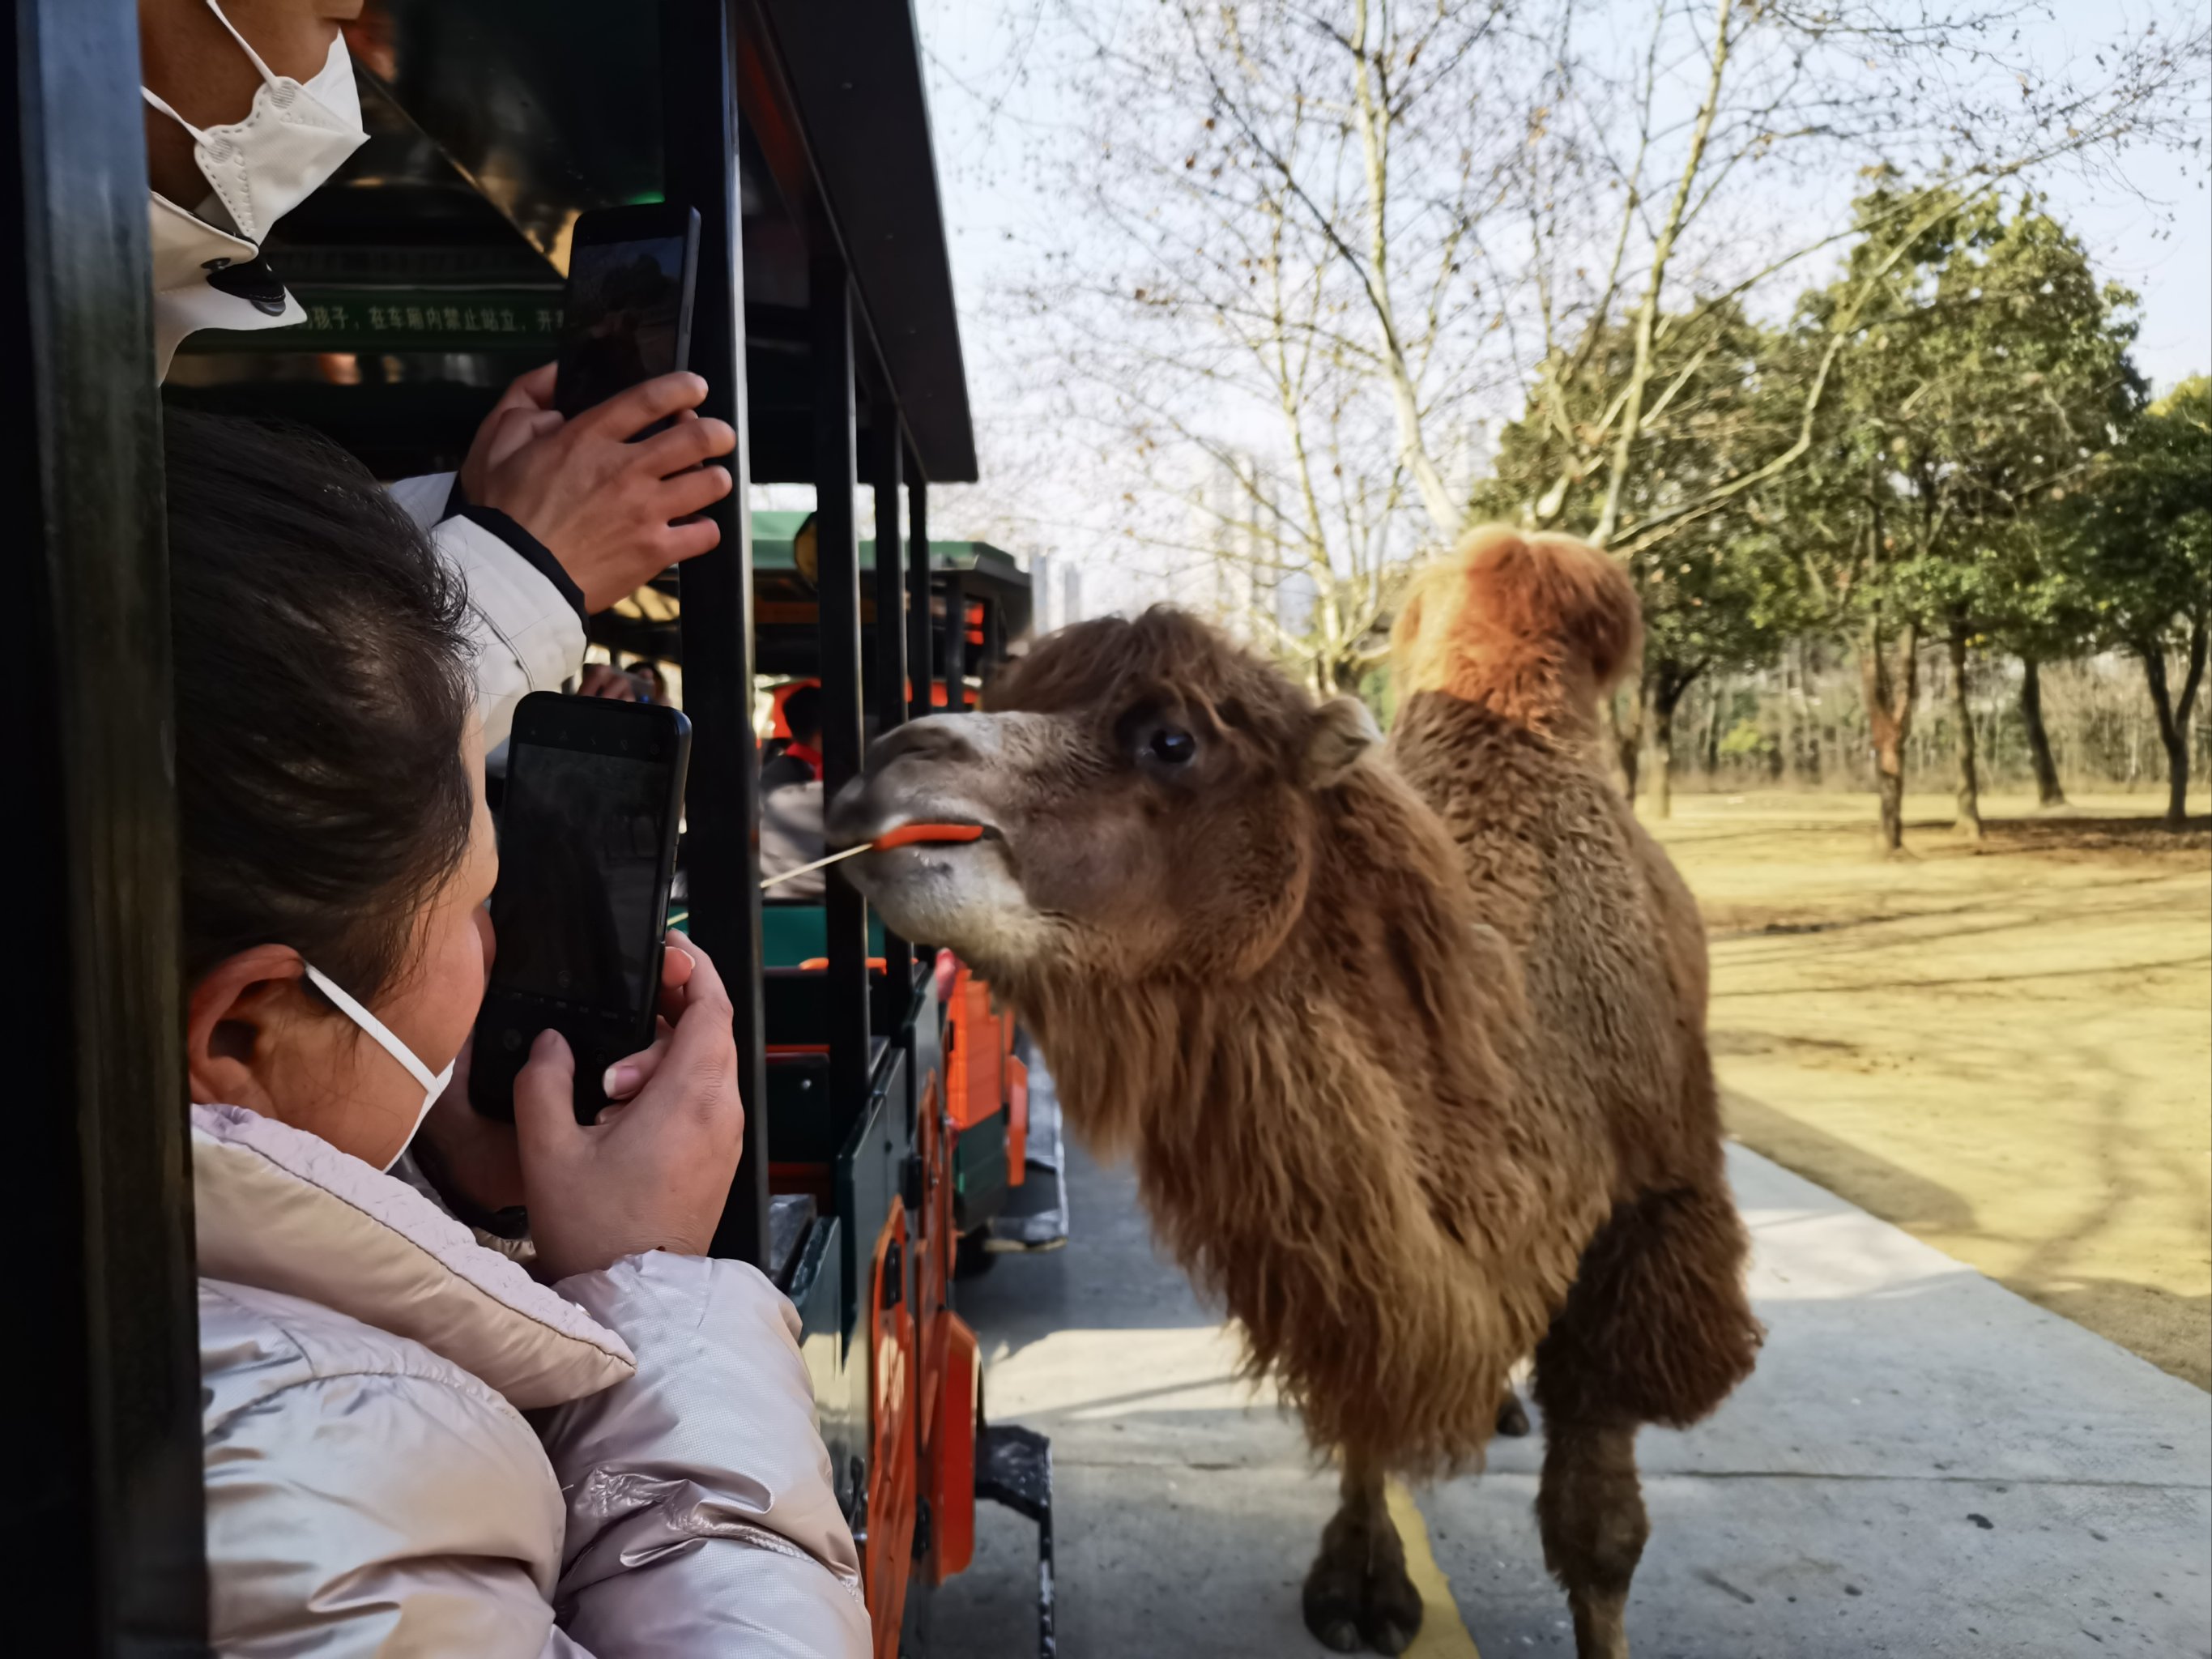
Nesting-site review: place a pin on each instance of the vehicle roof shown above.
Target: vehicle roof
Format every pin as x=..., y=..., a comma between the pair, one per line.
x=774, y=529
x=440, y=250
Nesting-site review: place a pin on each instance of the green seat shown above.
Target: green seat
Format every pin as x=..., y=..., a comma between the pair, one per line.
x=793, y=933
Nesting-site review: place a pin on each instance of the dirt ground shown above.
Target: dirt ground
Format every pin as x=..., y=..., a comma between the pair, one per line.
x=2006, y=1050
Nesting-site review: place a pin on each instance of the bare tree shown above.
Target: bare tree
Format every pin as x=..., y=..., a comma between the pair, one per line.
x=1287, y=204
x=1321, y=248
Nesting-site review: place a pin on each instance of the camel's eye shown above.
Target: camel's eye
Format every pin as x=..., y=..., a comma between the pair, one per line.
x=1172, y=747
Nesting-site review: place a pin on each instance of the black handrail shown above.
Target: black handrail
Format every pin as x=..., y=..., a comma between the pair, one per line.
x=891, y=664
x=838, y=586
x=103, y=1531
x=699, y=126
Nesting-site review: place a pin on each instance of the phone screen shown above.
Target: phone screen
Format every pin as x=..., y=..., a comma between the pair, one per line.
x=625, y=312
x=578, y=910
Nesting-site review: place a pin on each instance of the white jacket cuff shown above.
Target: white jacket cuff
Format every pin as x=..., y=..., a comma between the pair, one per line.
x=526, y=636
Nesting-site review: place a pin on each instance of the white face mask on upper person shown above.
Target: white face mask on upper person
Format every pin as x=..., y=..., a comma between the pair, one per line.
x=433, y=1083
x=206, y=269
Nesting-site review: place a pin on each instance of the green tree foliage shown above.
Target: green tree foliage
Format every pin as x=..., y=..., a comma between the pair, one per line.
x=1718, y=592
x=2143, y=557
x=1981, y=385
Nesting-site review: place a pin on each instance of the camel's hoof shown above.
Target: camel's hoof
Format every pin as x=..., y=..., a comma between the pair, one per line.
x=1331, y=1605
x=1512, y=1418
x=1351, y=1606
x=1392, y=1616
x=1387, y=1638
x=1341, y=1636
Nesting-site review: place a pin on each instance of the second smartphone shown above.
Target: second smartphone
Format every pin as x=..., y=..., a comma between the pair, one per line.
x=588, y=836
x=628, y=314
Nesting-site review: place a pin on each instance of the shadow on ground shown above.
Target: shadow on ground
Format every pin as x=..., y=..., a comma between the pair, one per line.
x=1924, y=1465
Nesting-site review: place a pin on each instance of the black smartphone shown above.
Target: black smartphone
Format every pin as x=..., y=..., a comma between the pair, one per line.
x=587, y=828
x=628, y=315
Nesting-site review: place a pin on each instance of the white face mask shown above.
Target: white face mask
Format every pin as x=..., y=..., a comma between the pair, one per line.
x=258, y=169
x=433, y=1083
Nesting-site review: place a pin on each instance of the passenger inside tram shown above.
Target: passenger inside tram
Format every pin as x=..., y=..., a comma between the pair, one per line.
x=250, y=106
x=347, y=661
x=371, y=1483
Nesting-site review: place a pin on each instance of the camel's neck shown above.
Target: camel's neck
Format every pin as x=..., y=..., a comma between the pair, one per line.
x=1374, y=1058
x=1338, y=1148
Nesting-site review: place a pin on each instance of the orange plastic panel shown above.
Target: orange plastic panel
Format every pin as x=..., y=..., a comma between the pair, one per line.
x=1017, y=1120
x=952, y=1452
x=974, y=1080
x=888, y=1559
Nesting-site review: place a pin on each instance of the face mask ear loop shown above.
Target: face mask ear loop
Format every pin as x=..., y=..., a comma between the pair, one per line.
x=162, y=105
x=375, y=1027
x=244, y=45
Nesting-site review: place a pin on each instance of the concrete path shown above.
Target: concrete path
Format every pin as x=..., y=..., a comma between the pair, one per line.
x=1924, y=1464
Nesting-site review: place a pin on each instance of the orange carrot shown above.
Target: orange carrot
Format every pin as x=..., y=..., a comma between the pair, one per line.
x=907, y=834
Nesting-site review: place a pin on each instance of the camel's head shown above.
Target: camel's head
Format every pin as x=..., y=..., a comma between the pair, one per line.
x=1149, y=795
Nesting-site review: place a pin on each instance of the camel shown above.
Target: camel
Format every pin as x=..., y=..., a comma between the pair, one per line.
x=1407, y=1047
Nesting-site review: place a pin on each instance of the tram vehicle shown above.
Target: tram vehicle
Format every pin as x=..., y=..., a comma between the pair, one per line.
x=431, y=272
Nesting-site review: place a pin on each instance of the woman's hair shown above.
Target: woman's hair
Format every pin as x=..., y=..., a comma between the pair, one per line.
x=322, y=693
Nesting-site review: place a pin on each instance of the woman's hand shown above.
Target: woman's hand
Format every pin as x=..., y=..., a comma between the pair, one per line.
x=615, y=513
x=654, y=1171
x=599, y=680
x=524, y=411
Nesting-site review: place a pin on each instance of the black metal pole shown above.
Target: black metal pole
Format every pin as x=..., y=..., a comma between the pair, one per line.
x=837, y=584
x=699, y=139
x=956, y=643
x=890, y=687
x=994, y=639
x=101, y=1533
x=921, y=671
x=888, y=696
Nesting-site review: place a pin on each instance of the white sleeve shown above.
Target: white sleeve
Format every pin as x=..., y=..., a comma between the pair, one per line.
x=526, y=634
x=423, y=499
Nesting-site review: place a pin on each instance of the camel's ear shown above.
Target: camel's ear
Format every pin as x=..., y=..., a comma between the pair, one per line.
x=1342, y=733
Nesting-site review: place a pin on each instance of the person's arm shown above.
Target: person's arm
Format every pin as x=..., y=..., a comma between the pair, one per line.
x=526, y=618
x=792, y=834
x=702, y=1519
x=550, y=521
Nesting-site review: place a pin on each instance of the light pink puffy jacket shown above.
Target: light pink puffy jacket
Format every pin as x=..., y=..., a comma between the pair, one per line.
x=373, y=1486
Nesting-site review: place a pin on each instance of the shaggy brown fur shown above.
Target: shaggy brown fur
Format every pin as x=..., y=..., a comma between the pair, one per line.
x=1503, y=652
x=1413, y=1072
x=1319, y=1082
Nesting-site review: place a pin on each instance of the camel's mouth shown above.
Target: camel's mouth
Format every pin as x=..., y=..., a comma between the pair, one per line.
x=937, y=833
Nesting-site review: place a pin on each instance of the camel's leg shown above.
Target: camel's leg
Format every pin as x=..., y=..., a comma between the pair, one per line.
x=1657, y=1330
x=1512, y=1416
x=1591, y=1508
x=1357, y=1592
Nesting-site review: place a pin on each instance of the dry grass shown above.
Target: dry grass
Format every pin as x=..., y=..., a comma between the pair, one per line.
x=2006, y=1050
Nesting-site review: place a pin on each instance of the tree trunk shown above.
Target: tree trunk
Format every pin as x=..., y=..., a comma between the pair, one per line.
x=1713, y=752
x=1968, y=823
x=2048, y=791
x=1786, y=735
x=1624, y=738
x=1888, y=693
x=1663, y=705
x=2174, y=716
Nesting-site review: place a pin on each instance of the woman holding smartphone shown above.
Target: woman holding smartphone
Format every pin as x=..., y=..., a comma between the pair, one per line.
x=373, y=1486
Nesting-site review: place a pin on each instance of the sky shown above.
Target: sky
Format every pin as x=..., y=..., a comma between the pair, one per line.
x=1002, y=115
